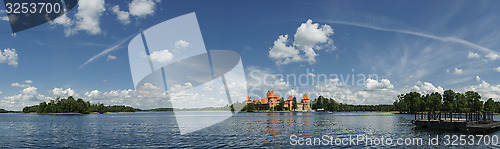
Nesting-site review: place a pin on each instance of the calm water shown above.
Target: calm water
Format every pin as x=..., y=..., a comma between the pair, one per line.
x=255, y=130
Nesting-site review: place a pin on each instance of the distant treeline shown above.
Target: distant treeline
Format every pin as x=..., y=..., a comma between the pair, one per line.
x=7, y=111
x=70, y=105
x=329, y=104
x=469, y=101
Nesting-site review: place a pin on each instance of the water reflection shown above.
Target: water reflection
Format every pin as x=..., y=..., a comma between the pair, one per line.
x=159, y=130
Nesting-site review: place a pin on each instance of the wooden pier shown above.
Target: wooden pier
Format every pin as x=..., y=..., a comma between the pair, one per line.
x=470, y=121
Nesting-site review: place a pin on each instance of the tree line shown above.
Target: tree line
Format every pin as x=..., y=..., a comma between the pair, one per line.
x=451, y=101
x=329, y=104
x=70, y=105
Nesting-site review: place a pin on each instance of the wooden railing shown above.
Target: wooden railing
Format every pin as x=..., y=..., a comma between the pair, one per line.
x=450, y=116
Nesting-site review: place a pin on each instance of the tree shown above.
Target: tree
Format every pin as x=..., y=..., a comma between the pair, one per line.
x=281, y=105
x=434, y=101
x=449, y=100
x=294, y=103
x=474, y=101
x=489, y=106
x=250, y=107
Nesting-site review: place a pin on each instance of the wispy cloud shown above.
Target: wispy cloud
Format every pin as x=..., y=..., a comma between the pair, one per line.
x=103, y=53
x=420, y=34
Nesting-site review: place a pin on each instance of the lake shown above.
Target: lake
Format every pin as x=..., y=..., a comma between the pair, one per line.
x=251, y=130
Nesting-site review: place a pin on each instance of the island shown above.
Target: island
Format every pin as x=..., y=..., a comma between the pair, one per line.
x=72, y=106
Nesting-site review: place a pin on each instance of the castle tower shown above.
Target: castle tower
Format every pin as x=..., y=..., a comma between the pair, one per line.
x=272, y=98
x=289, y=102
x=248, y=100
x=307, y=102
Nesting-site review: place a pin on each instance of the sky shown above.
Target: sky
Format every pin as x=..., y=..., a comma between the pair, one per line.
x=357, y=52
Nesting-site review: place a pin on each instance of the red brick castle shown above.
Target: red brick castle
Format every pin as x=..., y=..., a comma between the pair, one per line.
x=272, y=100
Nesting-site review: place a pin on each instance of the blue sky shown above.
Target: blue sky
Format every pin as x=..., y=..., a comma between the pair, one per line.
x=423, y=46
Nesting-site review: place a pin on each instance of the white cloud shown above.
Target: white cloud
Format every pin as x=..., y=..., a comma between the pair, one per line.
x=178, y=88
x=64, y=93
x=9, y=56
x=1, y=93
x=376, y=85
x=309, y=34
x=28, y=81
x=123, y=16
x=111, y=57
x=293, y=93
x=4, y=18
x=497, y=69
x=282, y=53
x=472, y=55
x=492, y=56
x=95, y=94
x=27, y=96
x=162, y=56
x=141, y=8
x=458, y=71
x=19, y=85
x=486, y=90
x=312, y=74
x=426, y=88
x=88, y=15
x=181, y=44
x=309, y=38
x=63, y=20
x=478, y=79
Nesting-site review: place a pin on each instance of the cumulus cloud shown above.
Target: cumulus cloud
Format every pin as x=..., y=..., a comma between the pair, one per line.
x=27, y=96
x=478, y=79
x=111, y=57
x=141, y=8
x=497, y=69
x=162, y=56
x=9, y=56
x=426, y=88
x=181, y=44
x=64, y=92
x=123, y=16
x=377, y=92
x=88, y=16
x=492, y=56
x=177, y=88
x=472, y=55
x=1, y=93
x=28, y=81
x=376, y=85
x=309, y=38
x=293, y=93
x=486, y=90
x=282, y=53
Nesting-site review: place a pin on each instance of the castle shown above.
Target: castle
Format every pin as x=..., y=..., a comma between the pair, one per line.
x=272, y=100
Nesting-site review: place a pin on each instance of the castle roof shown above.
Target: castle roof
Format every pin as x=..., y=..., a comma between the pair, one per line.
x=290, y=98
x=248, y=98
x=305, y=97
x=271, y=94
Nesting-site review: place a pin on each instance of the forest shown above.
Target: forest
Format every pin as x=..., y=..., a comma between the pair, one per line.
x=451, y=101
x=329, y=104
x=70, y=105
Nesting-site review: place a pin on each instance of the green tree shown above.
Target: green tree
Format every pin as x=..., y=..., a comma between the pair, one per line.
x=489, y=105
x=294, y=103
x=474, y=101
x=449, y=100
